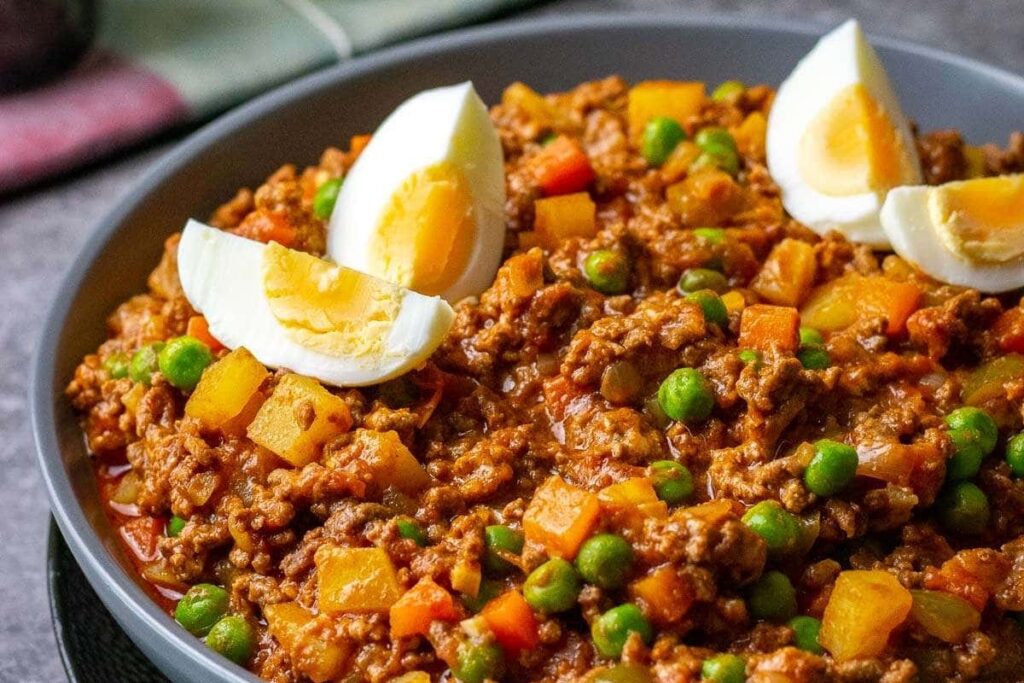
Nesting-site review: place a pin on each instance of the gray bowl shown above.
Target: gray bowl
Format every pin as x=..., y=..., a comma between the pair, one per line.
x=294, y=123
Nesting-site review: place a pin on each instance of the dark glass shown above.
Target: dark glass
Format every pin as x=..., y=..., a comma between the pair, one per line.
x=41, y=38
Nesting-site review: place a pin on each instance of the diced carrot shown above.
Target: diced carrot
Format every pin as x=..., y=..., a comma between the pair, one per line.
x=557, y=219
x=198, y=328
x=634, y=496
x=562, y=167
x=512, y=622
x=973, y=575
x=864, y=608
x=787, y=274
x=918, y=465
x=665, y=596
x=678, y=100
x=560, y=517
x=522, y=275
x=267, y=227
x=763, y=327
x=1009, y=330
x=419, y=606
x=852, y=297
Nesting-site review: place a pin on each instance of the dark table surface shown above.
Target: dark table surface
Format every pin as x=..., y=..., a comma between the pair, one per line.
x=42, y=231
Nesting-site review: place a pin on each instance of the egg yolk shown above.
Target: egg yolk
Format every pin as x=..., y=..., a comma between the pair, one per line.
x=426, y=232
x=331, y=309
x=981, y=219
x=852, y=147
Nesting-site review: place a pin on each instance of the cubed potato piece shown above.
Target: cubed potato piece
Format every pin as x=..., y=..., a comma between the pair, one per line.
x=677, y=100
x=841, y=302
x=311, y=653
x=665, y=595
x=391, y=463
x=227, y=396
x=787, y=274
x=560, y=517
x=633, y=497
x=557, y=219
x=864, y=608
x=298, y=418
x=355, y=580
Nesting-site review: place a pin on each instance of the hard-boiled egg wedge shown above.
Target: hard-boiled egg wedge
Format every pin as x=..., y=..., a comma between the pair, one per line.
x=968, y=233
x=293, y=310
x=423, y=206
x=837, y=140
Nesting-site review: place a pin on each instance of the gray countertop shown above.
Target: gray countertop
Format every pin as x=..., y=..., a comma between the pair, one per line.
x=42, y=231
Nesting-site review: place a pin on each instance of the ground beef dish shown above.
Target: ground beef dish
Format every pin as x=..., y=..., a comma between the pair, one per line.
x=544, y=375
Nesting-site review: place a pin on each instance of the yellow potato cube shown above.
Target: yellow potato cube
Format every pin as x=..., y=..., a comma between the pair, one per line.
x=310, y=651
x=677, y=100
x=298, y=418
x=228, y=395
x=355, y=580
x=391, y=462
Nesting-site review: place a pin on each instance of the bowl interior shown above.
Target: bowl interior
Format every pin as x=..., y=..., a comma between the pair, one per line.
x=296, y=123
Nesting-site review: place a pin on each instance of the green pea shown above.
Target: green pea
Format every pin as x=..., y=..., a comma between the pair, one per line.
x=234, y=637
x=686, y=396
x=611, y=630
x=728, y=91
x=623, y=673
x=772, y=597
x=547, y=138
x=712, y=235
x=814, y=358
x=661, y=135
x=326, y=197
x=201, y=607
x=805, y=633
x=780, y=529
x=724, y=669
x=607, y=271
x=477, y=662
x=963, y=509
x=717, y=157
x=183, y=360
x=605, y=560
x=1015, y=455
x=713, y=139
x=832, y=468
x=698, y=279
x=411, y=531
x=672, y=481
x=175, y=525
x=974, y=434
x=552, y=587
x=144, y=363
x=489, y=589
x=712, y=305
x=116, y=365
x=501, y=539
x=751, y=357
x=811, y=337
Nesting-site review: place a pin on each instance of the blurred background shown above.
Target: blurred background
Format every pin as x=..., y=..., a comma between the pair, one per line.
x=93, y=92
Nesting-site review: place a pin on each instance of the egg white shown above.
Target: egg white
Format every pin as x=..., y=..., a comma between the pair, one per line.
x=910, y=227
x=449, y=124
x=840, y=59
x=221, y=275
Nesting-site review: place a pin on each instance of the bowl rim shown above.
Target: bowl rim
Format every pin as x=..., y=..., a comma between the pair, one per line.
x=45, y=387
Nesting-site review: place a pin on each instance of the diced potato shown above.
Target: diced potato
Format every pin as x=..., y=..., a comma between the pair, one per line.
x=298, y=418
x=634, y=496
x=390, y=462
x=852, y=297
x=420, y=606
x=310, y=652
x=227, y=396
x=560, y=517
x=750, y=135
x=355, y=580
x=677, y=100
x=413, y=677
x=863, y=610
x=559, y=218
x=945, y=616
x=679, y=161
x=465, y=577
x=664, y=595
x=787, y=274
x=535, y=105
x=706, y=197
